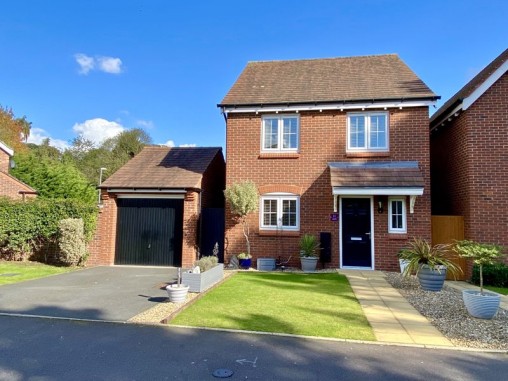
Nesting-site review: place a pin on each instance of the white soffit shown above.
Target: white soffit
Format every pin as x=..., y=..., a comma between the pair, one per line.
x=381, y=191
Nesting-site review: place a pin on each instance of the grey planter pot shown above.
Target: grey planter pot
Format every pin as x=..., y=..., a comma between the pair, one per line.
x=481, y=306
x=309, y=264
x=177, y=293
x=431, y=279
x=203, y=281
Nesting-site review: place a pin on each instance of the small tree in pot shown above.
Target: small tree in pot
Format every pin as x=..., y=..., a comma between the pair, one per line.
x=308, y=252
x=483, y=304
x=429, y=263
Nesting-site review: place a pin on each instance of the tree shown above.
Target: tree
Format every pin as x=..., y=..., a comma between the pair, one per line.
x=12, y=129
x=243, y=199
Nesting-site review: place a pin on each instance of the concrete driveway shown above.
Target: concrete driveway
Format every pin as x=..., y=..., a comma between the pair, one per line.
x=112, y=293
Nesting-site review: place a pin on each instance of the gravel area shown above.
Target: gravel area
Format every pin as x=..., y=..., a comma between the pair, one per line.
x=445, y=310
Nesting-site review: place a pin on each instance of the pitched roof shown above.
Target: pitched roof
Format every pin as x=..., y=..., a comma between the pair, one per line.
x=404, y=174
x=470, y=87
x=164, y=167
x=380, y=77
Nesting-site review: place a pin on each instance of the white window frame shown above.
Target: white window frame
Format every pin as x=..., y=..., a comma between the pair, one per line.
x=279, y=197
x=367, y=147
x=280, y=135
x=391, y=229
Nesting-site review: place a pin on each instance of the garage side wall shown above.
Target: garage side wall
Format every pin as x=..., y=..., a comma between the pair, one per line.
x=190, y=228
x=102, y=246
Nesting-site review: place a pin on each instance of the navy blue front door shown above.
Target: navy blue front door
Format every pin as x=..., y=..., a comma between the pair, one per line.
x=356, y=232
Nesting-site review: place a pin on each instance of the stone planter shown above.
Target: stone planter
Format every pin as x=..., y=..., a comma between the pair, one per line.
x=431, y=279
x=203, y=281
x=481, y=306
x=177, y=293
x=309, y=264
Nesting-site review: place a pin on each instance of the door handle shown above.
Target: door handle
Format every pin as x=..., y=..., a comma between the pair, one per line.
x=149, y=245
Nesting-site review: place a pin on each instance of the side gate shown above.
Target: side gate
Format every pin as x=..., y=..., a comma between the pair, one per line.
x=447, y=230
x=212, y=231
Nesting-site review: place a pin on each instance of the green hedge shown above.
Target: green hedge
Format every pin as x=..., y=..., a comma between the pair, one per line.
x=493, y=275
x=25, y=226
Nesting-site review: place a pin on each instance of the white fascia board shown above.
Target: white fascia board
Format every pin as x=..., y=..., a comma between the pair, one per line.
x=448, y=115
x=152, y=195
x=146, y=190
x=7, y=150
x=386, y=191
x=325, y=107
x=467, y=102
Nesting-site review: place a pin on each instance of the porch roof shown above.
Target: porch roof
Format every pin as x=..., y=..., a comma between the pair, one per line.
x=376, y=178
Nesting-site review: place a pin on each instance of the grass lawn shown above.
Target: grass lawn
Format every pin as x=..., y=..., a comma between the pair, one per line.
x=500, y=290
x=13, y=272
x=302, y=304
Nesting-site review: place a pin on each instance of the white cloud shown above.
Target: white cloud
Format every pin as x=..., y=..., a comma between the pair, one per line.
x=169, y=143
x=97, y=130
x=148, y=124
x=37, y=136
x=86, y=63
x=187, y=145
x=110, y=65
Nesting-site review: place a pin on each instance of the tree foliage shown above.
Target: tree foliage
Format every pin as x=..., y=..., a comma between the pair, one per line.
x=243, y=199
x=13, y=129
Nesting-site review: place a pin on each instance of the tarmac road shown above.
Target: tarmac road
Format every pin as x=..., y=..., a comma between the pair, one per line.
x=47, y=349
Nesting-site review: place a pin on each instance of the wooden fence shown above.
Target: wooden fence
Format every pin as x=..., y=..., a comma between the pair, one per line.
x=447, y=229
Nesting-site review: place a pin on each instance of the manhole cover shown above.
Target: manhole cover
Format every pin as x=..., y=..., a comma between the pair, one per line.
x=10, y=274
x=222, y=373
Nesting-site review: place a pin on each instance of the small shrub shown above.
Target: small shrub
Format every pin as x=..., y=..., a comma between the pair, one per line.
x=206, y=263
x=244, y=256
x=71, y=241
x=493, y=275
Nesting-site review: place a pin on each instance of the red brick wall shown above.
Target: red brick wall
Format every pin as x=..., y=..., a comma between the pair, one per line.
x=213, y=183
x=470, y=157
x=322, y=140
x=11, y=188
x=190, y=228
x=102, y=246
x=4, y=161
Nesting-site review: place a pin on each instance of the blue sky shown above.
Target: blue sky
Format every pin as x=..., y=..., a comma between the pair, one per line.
x=97, y=67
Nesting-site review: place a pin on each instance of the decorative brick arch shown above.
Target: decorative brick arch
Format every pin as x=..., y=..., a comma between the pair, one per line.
x=280, y=188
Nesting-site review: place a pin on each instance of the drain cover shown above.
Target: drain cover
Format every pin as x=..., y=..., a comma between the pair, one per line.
x=10, y=274
x=222, y=373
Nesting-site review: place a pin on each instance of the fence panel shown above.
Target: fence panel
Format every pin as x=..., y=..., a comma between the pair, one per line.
x=448, y=229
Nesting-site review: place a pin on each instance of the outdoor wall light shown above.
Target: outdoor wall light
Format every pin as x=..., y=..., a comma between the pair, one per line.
x=380, y=207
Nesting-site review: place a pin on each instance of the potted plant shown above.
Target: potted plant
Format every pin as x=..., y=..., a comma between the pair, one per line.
x=308, y=252
x=177, y=292
x=429, y=263
x=206, y=272
x=402, y=262
x=483, y=304
x=245, y=260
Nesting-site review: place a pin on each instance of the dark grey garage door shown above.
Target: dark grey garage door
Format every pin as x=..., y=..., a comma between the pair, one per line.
x=149, y=232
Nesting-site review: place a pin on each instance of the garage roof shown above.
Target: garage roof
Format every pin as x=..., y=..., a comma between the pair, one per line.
x=164, y=167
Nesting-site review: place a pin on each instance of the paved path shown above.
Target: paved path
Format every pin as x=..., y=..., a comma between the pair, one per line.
x=51, y=350
x=114, y=293
x=391, y=316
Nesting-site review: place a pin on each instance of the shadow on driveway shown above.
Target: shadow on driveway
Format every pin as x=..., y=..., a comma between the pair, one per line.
x=114, y=293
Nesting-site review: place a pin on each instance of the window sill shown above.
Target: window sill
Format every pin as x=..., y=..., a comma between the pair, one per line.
x=367, y=154
x=278, y=233
x=281, y=155
x=395, y=236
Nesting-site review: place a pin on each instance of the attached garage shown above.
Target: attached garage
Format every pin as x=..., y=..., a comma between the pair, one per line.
x=151, y=208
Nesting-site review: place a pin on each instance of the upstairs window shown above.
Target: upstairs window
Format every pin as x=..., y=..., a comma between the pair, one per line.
x=396, y=215
x=279, y=211
x=280, y=134
x=367, y=131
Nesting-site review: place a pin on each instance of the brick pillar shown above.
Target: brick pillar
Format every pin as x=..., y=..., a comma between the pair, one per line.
x=190, y=228
x=102, y=247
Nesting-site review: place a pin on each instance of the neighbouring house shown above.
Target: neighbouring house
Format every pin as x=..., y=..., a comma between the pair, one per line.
x=10, y=186
x=160, y=208
x=338, y=148
x=469, y=155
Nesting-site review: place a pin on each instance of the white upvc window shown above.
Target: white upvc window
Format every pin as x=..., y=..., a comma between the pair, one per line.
x=279, y=211
x=397, y=215
x=367, y=131
x=280, y=133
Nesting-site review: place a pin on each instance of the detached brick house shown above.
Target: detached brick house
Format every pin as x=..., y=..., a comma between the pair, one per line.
x=337, y=146
x=469, y=155
x=10, y=186
x=151, y=207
